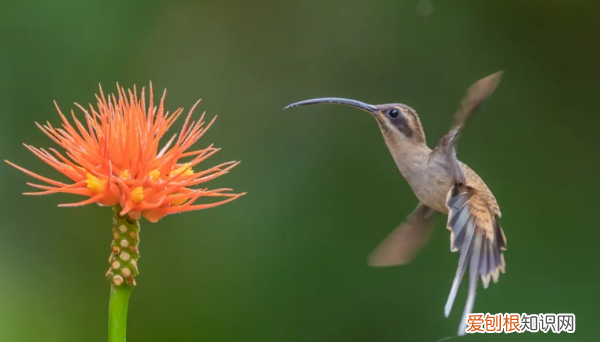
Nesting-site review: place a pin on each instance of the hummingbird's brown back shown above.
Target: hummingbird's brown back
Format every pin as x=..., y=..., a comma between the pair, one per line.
x=487, y=197
x=439, y=180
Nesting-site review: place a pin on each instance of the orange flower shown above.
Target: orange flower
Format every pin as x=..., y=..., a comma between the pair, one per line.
x=115, y=158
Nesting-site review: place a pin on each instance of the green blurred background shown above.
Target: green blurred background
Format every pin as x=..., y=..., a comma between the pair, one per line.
x=287, y=261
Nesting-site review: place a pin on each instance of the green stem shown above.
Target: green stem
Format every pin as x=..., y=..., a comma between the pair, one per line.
x=122, y=272
x=117, y=312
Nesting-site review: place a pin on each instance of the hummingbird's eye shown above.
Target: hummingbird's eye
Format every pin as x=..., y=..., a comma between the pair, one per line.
x=394, y=113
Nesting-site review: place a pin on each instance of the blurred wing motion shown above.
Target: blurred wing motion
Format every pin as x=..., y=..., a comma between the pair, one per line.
x=473, y=98
x=407, y=240
x=472, y=210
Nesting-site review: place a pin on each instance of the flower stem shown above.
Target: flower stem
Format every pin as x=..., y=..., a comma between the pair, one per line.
x=117, y=312
x=122, y=272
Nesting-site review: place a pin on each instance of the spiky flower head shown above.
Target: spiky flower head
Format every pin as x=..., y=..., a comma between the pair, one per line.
x=116, y=158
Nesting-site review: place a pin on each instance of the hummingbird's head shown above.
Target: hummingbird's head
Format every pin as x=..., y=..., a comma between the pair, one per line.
x=397, y=122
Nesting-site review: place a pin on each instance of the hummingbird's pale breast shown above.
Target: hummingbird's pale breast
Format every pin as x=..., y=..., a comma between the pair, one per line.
x=429, y=178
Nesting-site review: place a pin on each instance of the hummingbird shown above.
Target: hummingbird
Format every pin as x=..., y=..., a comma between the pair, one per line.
x=442, y=185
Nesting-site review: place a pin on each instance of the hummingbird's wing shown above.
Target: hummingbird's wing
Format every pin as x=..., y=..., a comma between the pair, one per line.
x=473, y=98
x=406, y=241
x=472, y=209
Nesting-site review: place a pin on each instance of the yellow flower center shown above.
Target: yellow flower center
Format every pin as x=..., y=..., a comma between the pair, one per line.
x=95, y=184
x=125, y=174
x=137, y=195
x=187, y=172
x=154, y=175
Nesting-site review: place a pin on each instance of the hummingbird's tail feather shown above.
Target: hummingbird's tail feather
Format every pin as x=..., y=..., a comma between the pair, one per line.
x=476, y=233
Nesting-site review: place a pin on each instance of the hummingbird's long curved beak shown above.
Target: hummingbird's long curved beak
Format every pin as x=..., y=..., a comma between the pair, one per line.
x=337, y=100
